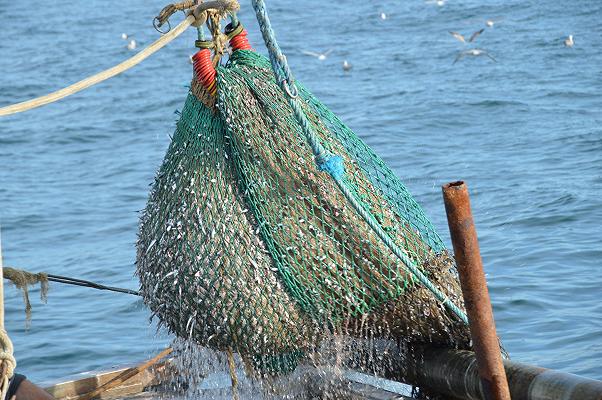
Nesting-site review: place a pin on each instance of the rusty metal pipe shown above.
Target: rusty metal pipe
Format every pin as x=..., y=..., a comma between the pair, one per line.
x=474, y=291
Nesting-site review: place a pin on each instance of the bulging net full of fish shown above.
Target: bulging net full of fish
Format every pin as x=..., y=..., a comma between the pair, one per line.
x=245, y=245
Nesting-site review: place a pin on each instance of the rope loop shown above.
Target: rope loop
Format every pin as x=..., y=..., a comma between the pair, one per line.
x=157, y=25
x=286, y=86
x=7, y=361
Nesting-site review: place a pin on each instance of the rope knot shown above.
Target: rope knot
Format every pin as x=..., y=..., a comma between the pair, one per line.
x=22, y=280
x=331, y=163
x=200, y=18
x=7, y=361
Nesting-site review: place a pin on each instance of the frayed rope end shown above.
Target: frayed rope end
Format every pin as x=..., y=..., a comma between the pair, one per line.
x=332, y=164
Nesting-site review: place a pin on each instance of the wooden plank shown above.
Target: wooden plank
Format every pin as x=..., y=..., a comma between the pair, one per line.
x=78, y=387
x=134, y=388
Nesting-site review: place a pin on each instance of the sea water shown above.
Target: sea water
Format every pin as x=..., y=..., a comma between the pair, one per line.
x=523, y=132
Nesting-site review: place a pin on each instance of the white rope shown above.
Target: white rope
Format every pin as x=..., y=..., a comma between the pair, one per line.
x=101, y=76
x=7, y=360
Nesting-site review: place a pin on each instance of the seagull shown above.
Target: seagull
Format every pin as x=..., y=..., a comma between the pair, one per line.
x=569, y=42
x=132, y=45
x=383, y=15
x=346, y=66
x=473, y=53
x=125, y=36
x=319, y=56
x=461, y=38
x=492, y=21
x=436, y=2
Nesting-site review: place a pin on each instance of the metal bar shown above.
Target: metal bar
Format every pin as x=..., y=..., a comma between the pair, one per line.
x=84, y=283
x=454, y=373
x=474, y=291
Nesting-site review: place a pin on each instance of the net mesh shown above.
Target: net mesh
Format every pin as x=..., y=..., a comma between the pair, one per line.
x=245, y=244
x=203, y=268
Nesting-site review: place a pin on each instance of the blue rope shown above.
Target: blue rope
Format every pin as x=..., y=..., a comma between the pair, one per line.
x=234, y=20
x=331, y=163
x=283, y=73
x=422, y=278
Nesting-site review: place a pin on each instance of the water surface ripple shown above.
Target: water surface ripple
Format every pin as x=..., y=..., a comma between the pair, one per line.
x=524, y=132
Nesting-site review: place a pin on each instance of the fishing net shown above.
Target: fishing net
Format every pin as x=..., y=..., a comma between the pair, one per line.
x=245, y=244
x=203, y=266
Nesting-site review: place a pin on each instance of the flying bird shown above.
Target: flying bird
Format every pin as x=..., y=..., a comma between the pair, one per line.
x=569, y=42
x=473, y=53
x=461, y=38
x=319, y=56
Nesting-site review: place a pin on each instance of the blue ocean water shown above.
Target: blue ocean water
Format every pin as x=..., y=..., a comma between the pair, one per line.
x=524, y=132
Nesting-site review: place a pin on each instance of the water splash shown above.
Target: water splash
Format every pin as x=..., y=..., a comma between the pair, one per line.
x=203, y=373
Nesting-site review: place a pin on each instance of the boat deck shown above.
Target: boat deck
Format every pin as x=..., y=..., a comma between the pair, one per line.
x=147, y=385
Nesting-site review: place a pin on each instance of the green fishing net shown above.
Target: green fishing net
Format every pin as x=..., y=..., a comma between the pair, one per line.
x=203, y=266
x=245, y=244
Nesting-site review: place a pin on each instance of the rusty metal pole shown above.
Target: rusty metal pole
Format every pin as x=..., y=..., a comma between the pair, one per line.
x=474, y=290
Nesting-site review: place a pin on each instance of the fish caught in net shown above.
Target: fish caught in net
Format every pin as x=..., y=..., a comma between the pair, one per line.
x=245, y=244
x=203, y=266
